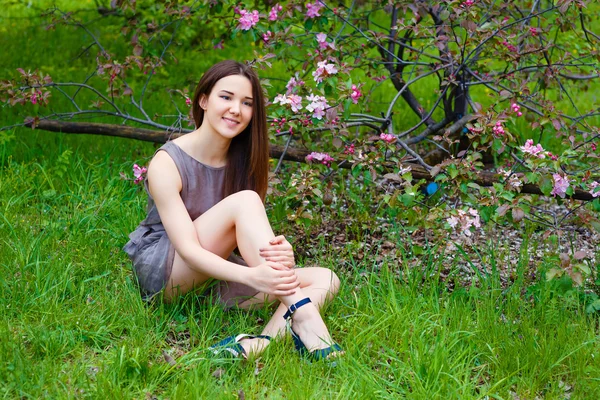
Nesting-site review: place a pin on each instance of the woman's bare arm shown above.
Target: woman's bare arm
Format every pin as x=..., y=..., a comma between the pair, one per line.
x=164, y=184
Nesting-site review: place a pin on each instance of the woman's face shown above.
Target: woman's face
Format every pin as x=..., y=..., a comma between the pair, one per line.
x=228, y=108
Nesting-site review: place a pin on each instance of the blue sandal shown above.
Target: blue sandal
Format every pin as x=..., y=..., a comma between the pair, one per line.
x=232, y=347
x=315, y=355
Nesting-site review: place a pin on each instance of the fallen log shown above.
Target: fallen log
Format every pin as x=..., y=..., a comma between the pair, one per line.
x=290, y=154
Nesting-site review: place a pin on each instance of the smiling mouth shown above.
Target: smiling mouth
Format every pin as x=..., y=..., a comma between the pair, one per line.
x=231, y=121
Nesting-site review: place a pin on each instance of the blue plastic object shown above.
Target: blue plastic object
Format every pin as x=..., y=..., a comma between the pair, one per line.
x=431, y=188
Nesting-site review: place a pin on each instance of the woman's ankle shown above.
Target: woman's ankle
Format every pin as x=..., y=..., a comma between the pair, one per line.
x=306, y=313
x=254, y=346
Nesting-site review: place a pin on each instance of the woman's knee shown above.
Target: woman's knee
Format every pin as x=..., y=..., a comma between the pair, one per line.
x=334, y=282
x=329, y=279
x=247, y=198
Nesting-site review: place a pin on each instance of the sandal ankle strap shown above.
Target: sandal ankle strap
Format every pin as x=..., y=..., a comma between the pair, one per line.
x=295, y=306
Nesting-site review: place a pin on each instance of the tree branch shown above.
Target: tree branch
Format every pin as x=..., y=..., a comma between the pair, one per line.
x=291, y=154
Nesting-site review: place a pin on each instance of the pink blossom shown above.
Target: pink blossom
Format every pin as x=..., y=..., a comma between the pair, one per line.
x=515, y=107
x=323, y=44
x=248, y=19
x=293, y=100
x=467, y=3
x=536, y=150
x=317, y=105
x=324, y=69
x=475, y=218
x=34, y=98
x=533, y=31
x=267, y=36
x=188, y=101
x=387, y=137
x=273, y=13
x=509, y=46
x=464, y=221
x=561, y=184
x=356, y=94
x=322, y=40
x=594, y=191
x=294, y=82
x=498, y=129
x=138, y=173
x=349, y=149
x=323, y=158
x=312, y=10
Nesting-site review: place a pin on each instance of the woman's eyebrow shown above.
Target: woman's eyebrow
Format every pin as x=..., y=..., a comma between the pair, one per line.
x=231, y=93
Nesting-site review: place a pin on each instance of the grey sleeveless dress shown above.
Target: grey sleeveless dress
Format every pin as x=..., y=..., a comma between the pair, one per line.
x=149, y=247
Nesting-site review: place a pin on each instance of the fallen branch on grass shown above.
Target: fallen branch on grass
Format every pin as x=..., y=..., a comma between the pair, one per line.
x=278, y=152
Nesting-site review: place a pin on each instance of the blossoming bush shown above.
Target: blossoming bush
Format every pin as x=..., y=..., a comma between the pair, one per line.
x=479, y=97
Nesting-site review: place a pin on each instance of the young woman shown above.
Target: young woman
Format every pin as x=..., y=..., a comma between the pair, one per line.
x=206, y=192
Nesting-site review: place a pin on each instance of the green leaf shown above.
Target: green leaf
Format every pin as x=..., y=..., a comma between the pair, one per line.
x=552, y=273
x=417, y=250
x=593, y=307
x=308, y=24
x=48, y=194
x=507, y=196
x=498, y=146
x=347, y=108
x=546, y=185
x=452, y=171
x=532, y=177
x=583, y=268
x=407, y=199
x=486, y=213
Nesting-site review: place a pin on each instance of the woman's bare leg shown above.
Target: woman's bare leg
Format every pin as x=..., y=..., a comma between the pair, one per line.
x=320, y=284
x=240, y=220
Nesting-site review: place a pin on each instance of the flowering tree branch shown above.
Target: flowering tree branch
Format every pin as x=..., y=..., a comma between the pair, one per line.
x=485, y=179
x=493, y=87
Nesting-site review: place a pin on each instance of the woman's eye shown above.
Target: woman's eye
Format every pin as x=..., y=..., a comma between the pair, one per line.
x=225, y=97
x=248, y=104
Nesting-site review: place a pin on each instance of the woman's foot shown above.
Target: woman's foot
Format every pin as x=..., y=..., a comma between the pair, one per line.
x=309, y=326
x=254, y=346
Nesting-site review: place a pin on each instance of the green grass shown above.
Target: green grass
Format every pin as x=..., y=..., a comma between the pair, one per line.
x=73, y=325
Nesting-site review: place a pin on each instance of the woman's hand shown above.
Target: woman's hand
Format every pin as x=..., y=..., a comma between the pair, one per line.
x=280, y=251
x=273, y=278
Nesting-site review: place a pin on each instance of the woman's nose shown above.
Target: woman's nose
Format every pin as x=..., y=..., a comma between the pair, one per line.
x=234, y=109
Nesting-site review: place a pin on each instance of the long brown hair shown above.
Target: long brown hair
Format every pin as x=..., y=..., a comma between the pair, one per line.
x=248, y=154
